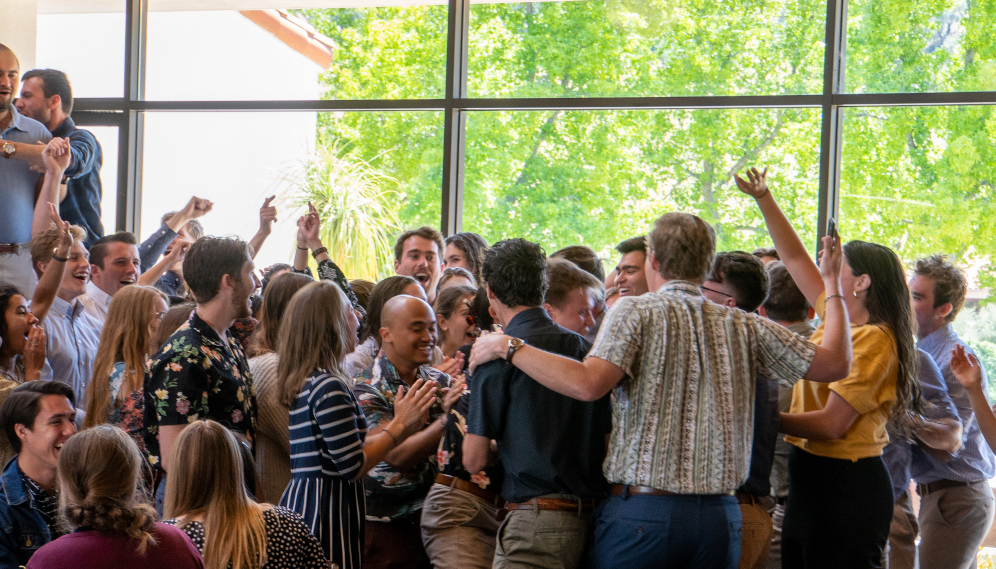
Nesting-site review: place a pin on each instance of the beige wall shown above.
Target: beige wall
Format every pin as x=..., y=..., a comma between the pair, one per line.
x=19, y=28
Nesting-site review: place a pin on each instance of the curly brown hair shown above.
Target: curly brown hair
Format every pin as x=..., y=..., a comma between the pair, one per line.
x=949, y=283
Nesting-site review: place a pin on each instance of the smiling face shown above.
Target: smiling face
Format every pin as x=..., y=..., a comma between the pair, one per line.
x=576, y=312
x=77, y=273
x=10, y=79
x=42, y=442
x=243, y=289
x=456, y=329
x=122, y=267
x=409, y=335
x=20, y=322
x=631, y=274
x=420, y=260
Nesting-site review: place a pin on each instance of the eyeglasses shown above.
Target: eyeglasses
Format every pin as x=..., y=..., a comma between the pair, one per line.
x=160, y=315
x=716, y=291
x=471, y=321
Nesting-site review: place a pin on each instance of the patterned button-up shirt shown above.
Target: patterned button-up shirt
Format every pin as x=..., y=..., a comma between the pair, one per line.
x=392, y=494
x=197, y=376
x=682, y=414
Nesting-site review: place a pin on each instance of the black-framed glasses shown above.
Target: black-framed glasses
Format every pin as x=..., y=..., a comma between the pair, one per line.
x=701, y=287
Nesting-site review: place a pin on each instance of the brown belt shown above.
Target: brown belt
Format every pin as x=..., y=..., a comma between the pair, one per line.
x=747, y=499
x=460, y=484
x=578, y=505
x=14, y=248
x=623, y=489
x=937, y=485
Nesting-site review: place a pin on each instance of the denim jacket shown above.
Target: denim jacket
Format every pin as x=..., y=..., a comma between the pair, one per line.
x=23, y=527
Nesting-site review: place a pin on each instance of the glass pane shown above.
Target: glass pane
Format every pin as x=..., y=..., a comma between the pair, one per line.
x=920, y=180
x=64, y=27
x=598, y=177
x=231, y=50
x=605, y=48
x=378, y=172
x=920, y=46
x=107, y=137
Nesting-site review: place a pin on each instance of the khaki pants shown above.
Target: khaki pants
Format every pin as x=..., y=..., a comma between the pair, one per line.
x=543, y=538
x=755, y=542
x=953, y=523
x=901, y=551
x=458, y=529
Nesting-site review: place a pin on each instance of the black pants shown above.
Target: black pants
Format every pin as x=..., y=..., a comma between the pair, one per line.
x=838, y=514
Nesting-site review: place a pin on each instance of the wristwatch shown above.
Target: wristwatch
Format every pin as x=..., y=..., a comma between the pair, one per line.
x=8, y=149
x=513, y=346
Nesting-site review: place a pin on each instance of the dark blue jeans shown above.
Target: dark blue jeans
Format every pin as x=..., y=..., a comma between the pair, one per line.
x=653, y=532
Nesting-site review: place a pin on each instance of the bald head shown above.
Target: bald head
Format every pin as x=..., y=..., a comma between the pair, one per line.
x=408, y=331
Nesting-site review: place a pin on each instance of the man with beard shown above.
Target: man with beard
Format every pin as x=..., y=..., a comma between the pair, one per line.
x=201, y=371
x=47, y=97
x=18, y=183
x=417, y=255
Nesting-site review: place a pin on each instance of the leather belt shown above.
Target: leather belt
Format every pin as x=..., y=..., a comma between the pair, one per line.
x=460, y=484
x=937, y=485
x=578, y=505
x=623, y=489
x=747, y=499
x=13, y=248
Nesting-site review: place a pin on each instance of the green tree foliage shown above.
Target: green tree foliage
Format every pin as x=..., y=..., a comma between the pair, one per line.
x=916, y=179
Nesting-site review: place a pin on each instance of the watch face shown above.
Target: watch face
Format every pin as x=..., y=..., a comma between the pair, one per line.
x=8, y=147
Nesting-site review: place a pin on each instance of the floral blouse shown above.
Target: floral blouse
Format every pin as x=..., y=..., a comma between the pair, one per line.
x=329, y=271
x=197, y=376
x=391, y=494
x=449, y=457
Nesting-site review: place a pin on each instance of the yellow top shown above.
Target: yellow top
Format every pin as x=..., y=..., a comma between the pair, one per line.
x=870, y=388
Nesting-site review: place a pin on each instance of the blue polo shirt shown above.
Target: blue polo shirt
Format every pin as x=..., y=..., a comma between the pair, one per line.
x=17, y=181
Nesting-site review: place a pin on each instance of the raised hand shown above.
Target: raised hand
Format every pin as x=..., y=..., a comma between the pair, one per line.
x=756, y=185
x=312, y=225
x=411, y=406
x=65, y=236
x=831, y=259
x=453, y=393
x=195, y=208
x=34, y=353
x=267, y=215
x=178, y=251
x=486, y=348
x=966, y=369
x=56, y=156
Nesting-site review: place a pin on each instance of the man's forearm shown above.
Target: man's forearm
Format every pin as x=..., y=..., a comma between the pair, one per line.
x=416, y=448
x=942, y=434
x=30, y=153
x=152, y=276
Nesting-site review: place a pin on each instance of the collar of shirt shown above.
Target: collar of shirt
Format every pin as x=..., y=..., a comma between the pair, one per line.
x=38, y=495
x=98, y=296
x=65, y=309
x=525, y=320
x=384, y=372
x=64, y=128
x=937, y=339
x=208, y=336
x=15, y=121
x=683, y=287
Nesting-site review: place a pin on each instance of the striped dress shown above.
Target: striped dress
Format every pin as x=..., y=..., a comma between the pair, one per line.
x=327, y=429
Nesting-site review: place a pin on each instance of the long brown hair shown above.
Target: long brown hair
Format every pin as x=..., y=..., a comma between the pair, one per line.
x=98, y=480
x=313, y=336
x=382, y=292
x=889, y=303
x=278, y=294
x=206, y=480
x=127, y=338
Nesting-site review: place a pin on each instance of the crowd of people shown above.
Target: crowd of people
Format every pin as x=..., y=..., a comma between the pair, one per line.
x=163, y=405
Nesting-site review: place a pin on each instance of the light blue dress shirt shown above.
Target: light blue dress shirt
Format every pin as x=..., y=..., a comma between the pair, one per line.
x=17, y=181
x=71, y=342
x=974, y=462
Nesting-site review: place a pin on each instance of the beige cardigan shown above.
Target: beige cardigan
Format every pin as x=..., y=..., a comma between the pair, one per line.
x=272, y=436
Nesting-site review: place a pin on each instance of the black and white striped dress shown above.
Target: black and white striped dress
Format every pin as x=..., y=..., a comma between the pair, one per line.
x=327, y=429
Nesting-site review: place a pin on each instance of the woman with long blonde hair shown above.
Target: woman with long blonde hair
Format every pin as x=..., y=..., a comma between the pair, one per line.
x=206, y=497
x=330, y=450
x=114, y=395
x=98, y=474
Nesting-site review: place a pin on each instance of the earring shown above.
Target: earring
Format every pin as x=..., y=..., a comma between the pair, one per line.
x=855, y=293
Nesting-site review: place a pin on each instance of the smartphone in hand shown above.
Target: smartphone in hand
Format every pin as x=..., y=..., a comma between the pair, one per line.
x=832, y=229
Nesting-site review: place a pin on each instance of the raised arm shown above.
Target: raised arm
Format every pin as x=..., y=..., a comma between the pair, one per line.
x=968, y=372
x=790, y=248
x=51, y=279
x=833, y=358
x=176, y=255
x=267, y=215
x=56, y=156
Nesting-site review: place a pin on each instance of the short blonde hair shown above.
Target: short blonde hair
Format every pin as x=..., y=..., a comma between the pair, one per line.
x=684, y=245
x=43, y=245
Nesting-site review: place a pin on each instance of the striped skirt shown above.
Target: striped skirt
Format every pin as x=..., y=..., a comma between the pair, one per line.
x=335, y=510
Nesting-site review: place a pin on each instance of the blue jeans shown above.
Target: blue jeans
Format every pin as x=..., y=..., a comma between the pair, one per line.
x=694, y=531
x=161, y=496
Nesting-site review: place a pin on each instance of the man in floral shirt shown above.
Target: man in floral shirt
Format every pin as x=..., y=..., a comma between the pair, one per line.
x=201, y=371
x=396, y=488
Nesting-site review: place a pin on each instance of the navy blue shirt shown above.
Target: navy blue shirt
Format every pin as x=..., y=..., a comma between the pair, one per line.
x=82, y=204
x=548, y=442
x=762, y=453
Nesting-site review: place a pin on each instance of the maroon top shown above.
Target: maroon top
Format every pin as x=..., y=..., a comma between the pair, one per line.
x=93, y=550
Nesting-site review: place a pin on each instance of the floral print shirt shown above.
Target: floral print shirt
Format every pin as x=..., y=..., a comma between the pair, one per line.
x=449, y=457
x=197, y=376
x=393, y=495
x=329, y=271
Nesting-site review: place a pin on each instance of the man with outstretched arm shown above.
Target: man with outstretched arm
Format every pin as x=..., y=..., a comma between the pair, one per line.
x=682, y=416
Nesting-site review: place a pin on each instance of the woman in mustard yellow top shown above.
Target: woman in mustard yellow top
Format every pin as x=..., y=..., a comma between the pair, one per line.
x=840, y=496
